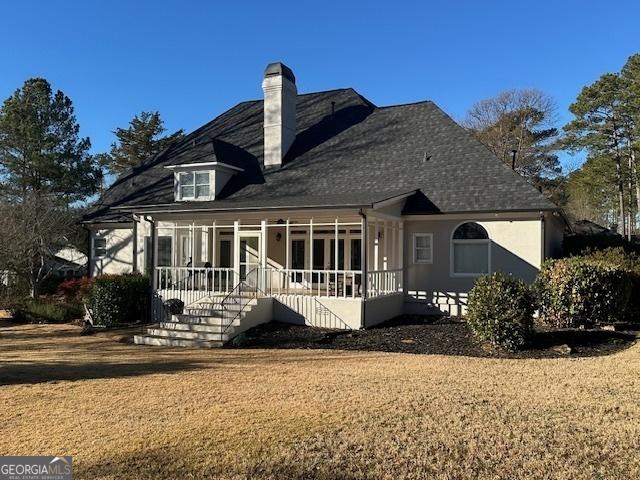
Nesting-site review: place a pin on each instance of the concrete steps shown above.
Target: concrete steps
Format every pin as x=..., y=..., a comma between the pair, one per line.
x=204, y=325
x=175, y=342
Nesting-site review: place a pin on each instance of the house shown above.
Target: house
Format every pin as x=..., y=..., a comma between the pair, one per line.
x=319, y=208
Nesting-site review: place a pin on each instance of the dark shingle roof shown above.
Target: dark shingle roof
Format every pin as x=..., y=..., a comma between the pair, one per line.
x=357, y=156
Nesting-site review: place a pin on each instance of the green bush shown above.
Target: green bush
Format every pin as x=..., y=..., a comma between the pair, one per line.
x=47, y=311
x=500, y=311
x=630, y=262
x=119, y=299
x=582, y=292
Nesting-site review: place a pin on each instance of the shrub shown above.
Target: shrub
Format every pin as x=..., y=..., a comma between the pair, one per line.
x=47, y=311
x=581, y=292
x=78, y=289
x=629, y=261
x=119, y=299
x=500, y=311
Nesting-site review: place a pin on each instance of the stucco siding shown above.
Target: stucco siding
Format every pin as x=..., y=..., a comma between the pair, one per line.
x=119, y=251
x=515, y=248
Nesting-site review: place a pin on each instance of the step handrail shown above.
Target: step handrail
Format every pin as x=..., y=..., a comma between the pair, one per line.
x=239, y=287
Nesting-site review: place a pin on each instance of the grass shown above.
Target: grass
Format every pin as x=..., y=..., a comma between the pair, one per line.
x=139, y=412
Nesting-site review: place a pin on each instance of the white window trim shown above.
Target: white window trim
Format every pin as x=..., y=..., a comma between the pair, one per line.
x=93, y=247
x=453, y=241
x=415, y=248
x=193, y=198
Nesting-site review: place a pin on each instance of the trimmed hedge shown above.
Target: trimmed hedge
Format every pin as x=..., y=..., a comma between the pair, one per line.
x=582, y=292
x=117, y=299
x=500, y=311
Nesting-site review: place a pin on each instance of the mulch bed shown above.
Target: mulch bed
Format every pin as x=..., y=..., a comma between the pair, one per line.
x=425, y=335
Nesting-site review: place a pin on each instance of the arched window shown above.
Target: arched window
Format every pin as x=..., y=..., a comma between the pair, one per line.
x=470, y=250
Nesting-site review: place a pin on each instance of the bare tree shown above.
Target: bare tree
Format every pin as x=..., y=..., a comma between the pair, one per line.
x=523, y=121
x=32, y=232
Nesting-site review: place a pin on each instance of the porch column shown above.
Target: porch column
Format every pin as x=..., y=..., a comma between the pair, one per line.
x=287, y=246
x=335, y=250
x=174, y=245
x=310, y=254
x=214, y=245
x=192, y=241
x=262, y=273
x=385, y=260
x=154, y=255
x=236, y=251
x=376, y=245
x=364, y=262
x=134, y=267
x=335, y=260
x=394, y=257
x=401, y=244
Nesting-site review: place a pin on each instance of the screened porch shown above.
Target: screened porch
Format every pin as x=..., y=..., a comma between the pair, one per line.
x=318, y=256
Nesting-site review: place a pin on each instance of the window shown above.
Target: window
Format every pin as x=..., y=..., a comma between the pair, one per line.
x=164, y=252
x=422, y=248
x=99, y=247
x=470, y=250
x=194, y=185
x=356, y=254
x=225, y=254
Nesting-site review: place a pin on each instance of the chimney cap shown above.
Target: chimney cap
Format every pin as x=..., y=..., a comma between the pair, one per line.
x=277, y=69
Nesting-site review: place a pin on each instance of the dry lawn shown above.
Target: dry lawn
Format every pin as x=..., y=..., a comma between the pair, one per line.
x=132, y=412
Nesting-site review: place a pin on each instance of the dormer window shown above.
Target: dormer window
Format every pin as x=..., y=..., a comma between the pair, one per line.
x=195, y=182
x=194, y=185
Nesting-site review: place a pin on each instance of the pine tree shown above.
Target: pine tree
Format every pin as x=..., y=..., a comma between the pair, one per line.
x=139, y=142
x=601, y=127
x=41, y=152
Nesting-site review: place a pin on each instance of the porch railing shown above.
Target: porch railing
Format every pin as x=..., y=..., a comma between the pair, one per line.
x=384, y=282
x=191, y=284
x=320, y=283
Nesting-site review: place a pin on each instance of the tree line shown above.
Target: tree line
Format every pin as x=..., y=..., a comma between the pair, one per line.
x=521, y=128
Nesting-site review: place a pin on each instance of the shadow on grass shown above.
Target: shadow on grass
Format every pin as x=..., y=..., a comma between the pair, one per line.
x=40, y=372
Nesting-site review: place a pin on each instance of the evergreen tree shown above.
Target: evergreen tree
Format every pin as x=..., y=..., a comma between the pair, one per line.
x=601, y=127
x=140, y=141
x=41, y=152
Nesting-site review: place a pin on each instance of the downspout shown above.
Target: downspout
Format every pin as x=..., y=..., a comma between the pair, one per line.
x=365, y=241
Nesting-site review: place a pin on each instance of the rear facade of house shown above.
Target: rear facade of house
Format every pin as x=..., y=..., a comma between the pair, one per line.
x=321, y=209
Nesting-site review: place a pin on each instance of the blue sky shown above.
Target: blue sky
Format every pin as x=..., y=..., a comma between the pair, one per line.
x=191, y=60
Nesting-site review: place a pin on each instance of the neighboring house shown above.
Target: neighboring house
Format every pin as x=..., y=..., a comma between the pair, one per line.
x=253, y=204
x=68, y=262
